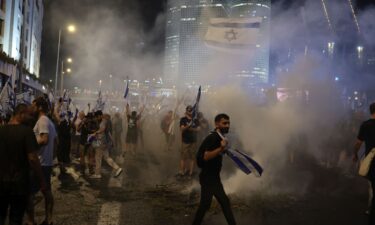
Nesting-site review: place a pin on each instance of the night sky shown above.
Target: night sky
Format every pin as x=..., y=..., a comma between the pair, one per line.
x=75, y=10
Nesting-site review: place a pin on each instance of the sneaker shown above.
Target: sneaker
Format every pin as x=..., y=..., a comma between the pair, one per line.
x=96, y=176
x=118, y=172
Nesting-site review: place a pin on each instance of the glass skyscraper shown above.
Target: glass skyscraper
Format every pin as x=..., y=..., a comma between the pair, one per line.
x=186, y=54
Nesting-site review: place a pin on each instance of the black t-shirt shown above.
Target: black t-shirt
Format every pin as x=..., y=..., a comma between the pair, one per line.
x=210, y=169
x=132, y=123
x=188, y=136
x=16, y=141
x=367, y=134
x=89, y=126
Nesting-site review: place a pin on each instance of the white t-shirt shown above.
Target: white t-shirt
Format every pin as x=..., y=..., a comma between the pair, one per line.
x=45, y=126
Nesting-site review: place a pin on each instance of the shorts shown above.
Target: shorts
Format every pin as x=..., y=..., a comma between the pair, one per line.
x=188, y=151
x=35, y=186
x=132, y=137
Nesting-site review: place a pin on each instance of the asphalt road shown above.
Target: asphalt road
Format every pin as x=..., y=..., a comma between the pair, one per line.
x=148, y=193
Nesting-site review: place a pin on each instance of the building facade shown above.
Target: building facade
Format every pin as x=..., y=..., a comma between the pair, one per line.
x=21, y=31
x=187, y=55
x=256, y=69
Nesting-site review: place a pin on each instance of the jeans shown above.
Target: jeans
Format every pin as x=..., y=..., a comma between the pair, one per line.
x=208, y=190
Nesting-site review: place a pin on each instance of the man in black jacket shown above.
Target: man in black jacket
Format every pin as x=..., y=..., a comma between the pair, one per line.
x=209, y=159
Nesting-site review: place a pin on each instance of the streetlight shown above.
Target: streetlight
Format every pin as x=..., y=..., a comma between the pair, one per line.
x=70, y=29
x=68, y=70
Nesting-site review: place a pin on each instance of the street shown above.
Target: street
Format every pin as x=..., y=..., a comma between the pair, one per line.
x=147, y=196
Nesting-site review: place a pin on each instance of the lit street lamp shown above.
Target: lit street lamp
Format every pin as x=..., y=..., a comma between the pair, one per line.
x=68, y=70
x=71, y=29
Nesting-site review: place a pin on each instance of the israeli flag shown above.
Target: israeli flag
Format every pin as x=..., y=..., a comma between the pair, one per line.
x=8, y=97
x=126, y=89
x=233, y=34
x=243, y=161
x=91, y=139
x=196, y=105
x=99, y=102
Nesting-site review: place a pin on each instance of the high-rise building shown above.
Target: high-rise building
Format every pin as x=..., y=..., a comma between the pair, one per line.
x=21, y=31
x=256, y=70
x=186, y=54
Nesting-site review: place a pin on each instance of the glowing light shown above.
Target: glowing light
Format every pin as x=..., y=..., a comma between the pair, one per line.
x=359, y=50
x=337, y=78
x=71, y=28
x=68, y=70
x=331, y=47
x=69, y=60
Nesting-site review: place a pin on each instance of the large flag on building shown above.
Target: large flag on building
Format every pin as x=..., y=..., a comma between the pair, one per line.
x=235, y=34
x=7, y=98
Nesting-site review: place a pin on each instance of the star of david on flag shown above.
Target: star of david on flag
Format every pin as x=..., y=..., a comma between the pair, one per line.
x=236, y=34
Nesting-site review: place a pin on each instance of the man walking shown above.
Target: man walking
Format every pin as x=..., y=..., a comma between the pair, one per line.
x=209, y=159
x=18, y=153
x=367, y=134
x=101, y=148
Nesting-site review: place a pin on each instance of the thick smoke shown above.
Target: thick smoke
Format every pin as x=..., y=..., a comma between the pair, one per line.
x=110, y=41
x=267, y=131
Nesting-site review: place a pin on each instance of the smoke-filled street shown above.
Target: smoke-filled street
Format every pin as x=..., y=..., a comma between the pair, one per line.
x=187, y=112
x=329, y=197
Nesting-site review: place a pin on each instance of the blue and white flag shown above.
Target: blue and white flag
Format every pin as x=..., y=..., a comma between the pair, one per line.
x=234, y=34
x=126, y=93
x=99, y=102
x=243, y=161
x=7, y=98
x=196, y=105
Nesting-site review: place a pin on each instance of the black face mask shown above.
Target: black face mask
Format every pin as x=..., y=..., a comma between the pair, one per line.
x=224, y=130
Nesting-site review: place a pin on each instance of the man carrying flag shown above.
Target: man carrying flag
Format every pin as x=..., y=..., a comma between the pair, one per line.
x=189, y=127
x=209, y=159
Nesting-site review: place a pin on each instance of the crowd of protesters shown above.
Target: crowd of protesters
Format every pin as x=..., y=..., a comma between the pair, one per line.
x=41, y=136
